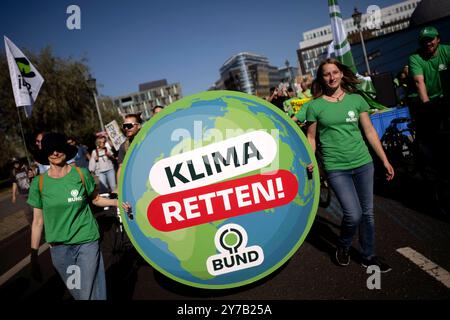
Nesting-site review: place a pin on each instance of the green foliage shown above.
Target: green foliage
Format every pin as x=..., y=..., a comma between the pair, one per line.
x=64, y=104
x=108, y=111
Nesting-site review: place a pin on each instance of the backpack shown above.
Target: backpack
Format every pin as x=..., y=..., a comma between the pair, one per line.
x=21, y=179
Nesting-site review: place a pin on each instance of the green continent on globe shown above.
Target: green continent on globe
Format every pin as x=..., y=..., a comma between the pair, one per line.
x=181, y=243
x=193, y=246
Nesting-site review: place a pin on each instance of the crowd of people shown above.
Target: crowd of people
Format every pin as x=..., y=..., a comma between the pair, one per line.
x=338, y=117
x=283, y=96
x=62, y=182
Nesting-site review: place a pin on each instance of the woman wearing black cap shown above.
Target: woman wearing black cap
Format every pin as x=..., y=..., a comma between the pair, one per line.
x=60, y=198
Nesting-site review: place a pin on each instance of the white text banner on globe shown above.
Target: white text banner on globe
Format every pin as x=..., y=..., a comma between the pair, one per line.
x=213, y=163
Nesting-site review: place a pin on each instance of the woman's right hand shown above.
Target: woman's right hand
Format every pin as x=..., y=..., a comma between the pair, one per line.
x=389, y=170
x=126, y=206
x=309, y=170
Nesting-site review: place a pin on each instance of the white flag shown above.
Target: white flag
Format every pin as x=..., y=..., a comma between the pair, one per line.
x=330, y=50
x=25, y=79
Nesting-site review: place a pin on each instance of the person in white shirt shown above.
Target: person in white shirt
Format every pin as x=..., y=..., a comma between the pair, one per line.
x=102, y=166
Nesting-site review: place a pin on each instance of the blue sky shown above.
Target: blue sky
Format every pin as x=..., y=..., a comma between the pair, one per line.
x=131, y=42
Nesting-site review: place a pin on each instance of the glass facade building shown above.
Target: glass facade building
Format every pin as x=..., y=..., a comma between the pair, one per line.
x=389, y=53
x=251, y=73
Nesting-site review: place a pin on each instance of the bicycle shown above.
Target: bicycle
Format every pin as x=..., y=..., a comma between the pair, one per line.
x=399, y=143
x=409, y=156
x=114, y=240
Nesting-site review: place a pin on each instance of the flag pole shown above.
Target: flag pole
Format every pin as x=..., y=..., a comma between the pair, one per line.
x=23, y=138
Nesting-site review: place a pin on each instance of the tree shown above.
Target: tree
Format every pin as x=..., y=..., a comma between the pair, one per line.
x=65, y=104
x=108, y=110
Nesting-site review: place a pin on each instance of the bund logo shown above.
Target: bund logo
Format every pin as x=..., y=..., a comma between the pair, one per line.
x=234, y=254
x=352, y=117
x=75, y=198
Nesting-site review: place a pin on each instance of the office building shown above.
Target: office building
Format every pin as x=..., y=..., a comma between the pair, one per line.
x=150, y=94
x=252, y=73
x=313, y=47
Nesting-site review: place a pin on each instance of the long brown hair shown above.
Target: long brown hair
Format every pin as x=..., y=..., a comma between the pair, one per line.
x=348, y=83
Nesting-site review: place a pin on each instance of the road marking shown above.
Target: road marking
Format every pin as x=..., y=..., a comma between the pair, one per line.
x=12, y=224
x=20, y=265
x=426, y=265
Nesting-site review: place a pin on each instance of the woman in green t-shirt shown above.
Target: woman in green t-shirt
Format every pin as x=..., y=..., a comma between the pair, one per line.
x=336, y=114
x=60, y=198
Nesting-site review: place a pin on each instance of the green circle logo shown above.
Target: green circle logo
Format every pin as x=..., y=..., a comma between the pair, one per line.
x=219, y=189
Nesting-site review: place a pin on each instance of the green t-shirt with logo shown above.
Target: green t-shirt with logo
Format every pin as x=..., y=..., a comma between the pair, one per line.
x=64, y=202
x=342, y=144
x=431, y=68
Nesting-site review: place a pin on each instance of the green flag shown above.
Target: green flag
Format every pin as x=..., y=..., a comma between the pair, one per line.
x=342, y=51
x=341, y=48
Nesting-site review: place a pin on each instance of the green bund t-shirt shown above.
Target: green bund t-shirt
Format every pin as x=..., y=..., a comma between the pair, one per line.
x=430, y=69
x=343, y=146
x=65, y=205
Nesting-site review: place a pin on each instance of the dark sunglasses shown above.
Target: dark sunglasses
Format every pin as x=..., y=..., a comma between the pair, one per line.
x=60, y=150
x=128, y=126
x=426, y=40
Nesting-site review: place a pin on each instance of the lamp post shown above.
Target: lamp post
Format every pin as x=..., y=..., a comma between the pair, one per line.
x=291, y=76
x=92, y=84
x=357, y=21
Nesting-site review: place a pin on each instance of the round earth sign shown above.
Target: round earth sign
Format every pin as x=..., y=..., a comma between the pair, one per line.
x=219, y=189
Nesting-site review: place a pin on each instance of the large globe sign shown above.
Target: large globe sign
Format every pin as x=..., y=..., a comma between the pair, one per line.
x=219, y=188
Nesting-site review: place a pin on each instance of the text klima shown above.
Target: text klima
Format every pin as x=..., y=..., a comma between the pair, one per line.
x=197, y=172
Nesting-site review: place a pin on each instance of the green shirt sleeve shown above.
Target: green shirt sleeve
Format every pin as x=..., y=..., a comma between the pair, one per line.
x=310, y=113
x=414, y=66
x=363, y=105
x=34, y=195
x=89, y=181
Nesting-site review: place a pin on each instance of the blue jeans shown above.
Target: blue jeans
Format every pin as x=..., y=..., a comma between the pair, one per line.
x=354, y=190
x=81, y=268
x=107, y=181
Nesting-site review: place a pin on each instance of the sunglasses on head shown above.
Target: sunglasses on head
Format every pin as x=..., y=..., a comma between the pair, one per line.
x=129, y=125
